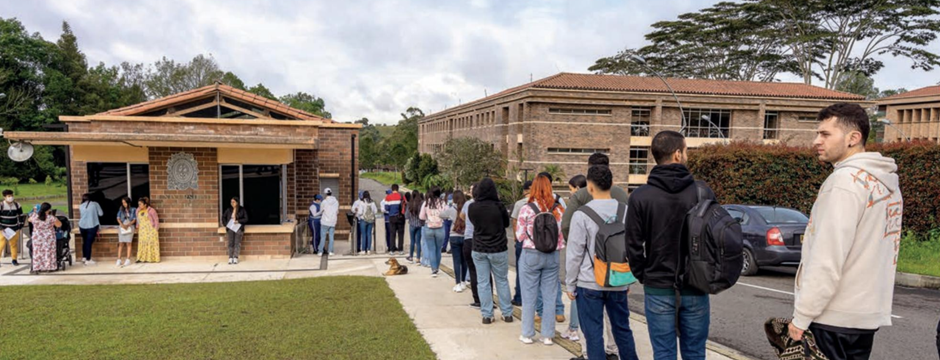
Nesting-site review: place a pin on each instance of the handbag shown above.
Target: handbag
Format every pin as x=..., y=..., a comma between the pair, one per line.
x=126, y=231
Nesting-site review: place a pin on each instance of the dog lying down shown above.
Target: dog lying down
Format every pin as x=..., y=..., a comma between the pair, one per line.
x=395, y=268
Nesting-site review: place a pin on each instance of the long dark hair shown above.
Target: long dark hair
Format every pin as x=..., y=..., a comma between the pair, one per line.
x=86, y=197
x=414, y=207
x=434, y=198
x=129, y=202
x=145, y=200
x=43, y=209
x=366, y=197
x=237, y=202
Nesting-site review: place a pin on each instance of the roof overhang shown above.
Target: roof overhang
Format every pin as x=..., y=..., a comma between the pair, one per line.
x=161, y=140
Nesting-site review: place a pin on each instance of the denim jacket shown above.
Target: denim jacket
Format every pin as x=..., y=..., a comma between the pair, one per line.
x=124, y=217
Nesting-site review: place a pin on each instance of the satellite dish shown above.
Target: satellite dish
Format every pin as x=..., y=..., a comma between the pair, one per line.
x=20, y=151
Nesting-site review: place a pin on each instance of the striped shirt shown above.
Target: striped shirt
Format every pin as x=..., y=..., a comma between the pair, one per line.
x=11, y=215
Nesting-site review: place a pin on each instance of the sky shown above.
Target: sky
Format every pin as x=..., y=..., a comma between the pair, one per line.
x=375, y=59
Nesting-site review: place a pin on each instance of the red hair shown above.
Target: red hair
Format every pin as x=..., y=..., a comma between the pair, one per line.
x=541, y=194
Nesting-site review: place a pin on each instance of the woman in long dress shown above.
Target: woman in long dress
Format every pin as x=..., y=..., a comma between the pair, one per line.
x=148, y=236
x=43, y=238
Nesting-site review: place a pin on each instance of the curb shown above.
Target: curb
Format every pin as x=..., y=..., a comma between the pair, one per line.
x=917, y=281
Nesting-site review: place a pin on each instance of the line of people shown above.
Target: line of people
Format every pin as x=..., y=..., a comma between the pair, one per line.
x=850, y=250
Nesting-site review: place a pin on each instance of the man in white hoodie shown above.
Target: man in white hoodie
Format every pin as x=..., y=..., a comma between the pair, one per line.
x=329, y=210
x=845, y=283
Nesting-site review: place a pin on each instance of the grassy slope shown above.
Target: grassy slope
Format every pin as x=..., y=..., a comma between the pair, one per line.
x=321, y=318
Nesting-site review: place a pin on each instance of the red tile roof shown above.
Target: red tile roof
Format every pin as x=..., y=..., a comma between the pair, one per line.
x=926, y=91
x=206, y=91
x=572, y=81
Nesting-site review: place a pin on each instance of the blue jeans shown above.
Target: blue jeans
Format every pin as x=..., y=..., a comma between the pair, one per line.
x=434, y=238
x=539, y=273
x=460, y=264
x=424, y=246
x=591, y=306
x=365, y=229
x=447, y=224
x=559, y=306
x=498, y=265
x=314, y=225
x=694, y=319
x=574, y=323
x=518, y=297
x=326, y=231
x=415, y=243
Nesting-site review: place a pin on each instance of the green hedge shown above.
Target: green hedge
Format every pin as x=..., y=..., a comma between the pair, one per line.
x=749, y=173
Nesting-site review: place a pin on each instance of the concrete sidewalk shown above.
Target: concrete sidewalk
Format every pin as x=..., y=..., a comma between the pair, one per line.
x=452, y=328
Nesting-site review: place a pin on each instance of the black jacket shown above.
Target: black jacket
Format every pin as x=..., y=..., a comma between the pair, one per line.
x=489, y=217
x=242, y=217
x=655, y=218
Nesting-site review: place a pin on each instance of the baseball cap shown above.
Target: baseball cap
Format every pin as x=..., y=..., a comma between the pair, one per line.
x=328, y=191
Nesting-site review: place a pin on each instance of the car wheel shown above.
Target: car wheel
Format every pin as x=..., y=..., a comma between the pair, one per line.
x=750, y=264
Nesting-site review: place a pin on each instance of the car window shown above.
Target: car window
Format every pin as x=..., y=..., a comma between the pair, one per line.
x=781, y=215
x=738, y=215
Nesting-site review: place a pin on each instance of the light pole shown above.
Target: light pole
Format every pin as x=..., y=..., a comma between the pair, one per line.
x=888, y=122
x=640, y=60
x=709, y=119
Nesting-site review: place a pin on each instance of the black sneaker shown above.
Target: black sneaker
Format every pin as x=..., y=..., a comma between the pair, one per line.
x=578, y=358
x=507, y=319
x=516, y=303
x=612, y=357
x=487, y=321
x=16, y=263
x=475, y=305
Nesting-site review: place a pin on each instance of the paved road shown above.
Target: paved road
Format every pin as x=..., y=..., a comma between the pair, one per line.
x=739, y=313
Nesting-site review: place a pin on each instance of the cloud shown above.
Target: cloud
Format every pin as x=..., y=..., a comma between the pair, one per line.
x=373, y=58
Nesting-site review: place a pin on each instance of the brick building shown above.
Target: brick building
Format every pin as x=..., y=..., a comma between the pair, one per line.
x=912, y=115
x=564, y=118
x=191, y=152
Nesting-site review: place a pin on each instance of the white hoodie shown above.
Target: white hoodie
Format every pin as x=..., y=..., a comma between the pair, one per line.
x=850, y=249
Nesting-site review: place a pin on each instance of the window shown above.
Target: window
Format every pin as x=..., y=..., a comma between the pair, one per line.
x=738, y=215
x=108, y=183
x=775, y=215
x=260, y=189
x=708, y=123
x=639, y=160
x=579, y=111
x=806, y=117
x=640, y=123
x=577, y=151
x=771, y=124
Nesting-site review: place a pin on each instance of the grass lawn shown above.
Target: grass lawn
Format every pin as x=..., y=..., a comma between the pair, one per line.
x=35, y=190
x=920, y=257
x=321, y=318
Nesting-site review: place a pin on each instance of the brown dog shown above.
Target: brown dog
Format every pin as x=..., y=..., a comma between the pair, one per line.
x=395, y=268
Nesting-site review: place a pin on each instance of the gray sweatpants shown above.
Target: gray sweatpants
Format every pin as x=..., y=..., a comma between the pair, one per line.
x=234, y=243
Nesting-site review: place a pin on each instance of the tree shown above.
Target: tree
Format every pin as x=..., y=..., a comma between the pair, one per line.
x=830, y=40
x=403, y=143
x=860, y=84
x=262, y=90
x=308, y=103
x=232, y=80
x=167, y=77
x=466, y=160
x=557, y=173
x=727, y=41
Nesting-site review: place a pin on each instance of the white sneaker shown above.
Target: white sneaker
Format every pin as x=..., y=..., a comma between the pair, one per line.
x=525, y=340
x=127, y=262
x=548, y=341
x=322, y=253
x=235, y=261
x=461, y=287
x=118, y=262
x=331, y=253
x=359, y=253
x=90, y=262
x=570, y=335
x=230, y=260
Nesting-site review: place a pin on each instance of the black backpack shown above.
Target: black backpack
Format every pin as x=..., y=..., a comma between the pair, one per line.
x=544, y=229
x=714, y=243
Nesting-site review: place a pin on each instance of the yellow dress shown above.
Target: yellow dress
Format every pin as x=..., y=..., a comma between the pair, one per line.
x=148, y=239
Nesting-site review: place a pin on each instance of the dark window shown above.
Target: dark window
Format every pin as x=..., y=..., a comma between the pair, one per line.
x=774, y=215
x=632, y=187
x=258, y=187
x=108, y=183
x=640, y=122
x=579, y=111
x=771, y=124
x=708, y=123
x=582, y=151
x=639, y=160
x=738, y=215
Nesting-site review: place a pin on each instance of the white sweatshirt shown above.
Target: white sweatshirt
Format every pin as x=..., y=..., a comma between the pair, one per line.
x=850, y=249
x=330, y=210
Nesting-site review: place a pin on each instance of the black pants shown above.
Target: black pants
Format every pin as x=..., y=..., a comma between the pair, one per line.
x=841, y=345
x=938, y=338
x=396, y=232
x=88, y=238
x=468, y=254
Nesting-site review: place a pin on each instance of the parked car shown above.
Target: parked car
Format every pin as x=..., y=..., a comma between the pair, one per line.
x=773, y=236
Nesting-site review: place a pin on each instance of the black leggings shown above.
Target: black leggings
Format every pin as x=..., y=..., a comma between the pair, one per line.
x=88, y=238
